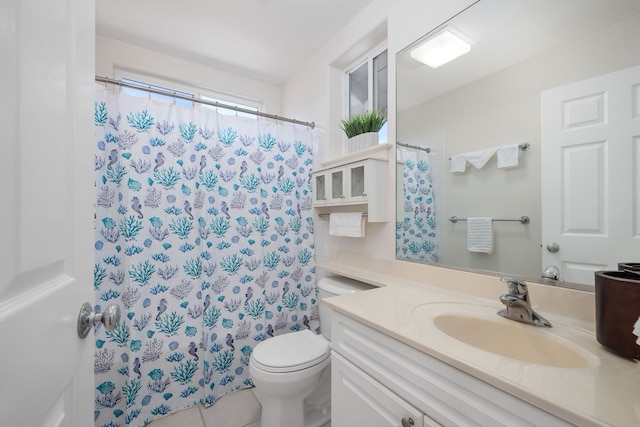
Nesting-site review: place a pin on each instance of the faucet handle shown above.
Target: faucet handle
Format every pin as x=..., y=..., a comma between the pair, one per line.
x=516, y=286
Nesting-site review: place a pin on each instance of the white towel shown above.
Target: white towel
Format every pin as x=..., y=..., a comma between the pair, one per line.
x=636, y=330
x=479, y=158
x=348, y=224
x=458, y=164
x=480, y=235
x=508, y=156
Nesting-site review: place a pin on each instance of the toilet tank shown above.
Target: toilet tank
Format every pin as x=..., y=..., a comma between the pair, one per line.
x=332, y=286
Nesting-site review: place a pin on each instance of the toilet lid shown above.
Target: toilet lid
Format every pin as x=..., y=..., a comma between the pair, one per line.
x=291, y=352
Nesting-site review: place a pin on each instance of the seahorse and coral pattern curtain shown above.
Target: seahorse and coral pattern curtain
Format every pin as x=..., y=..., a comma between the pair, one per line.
x=416, y=229
x=204, y=237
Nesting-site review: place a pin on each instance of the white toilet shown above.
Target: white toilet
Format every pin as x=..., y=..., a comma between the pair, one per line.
x=292, y=372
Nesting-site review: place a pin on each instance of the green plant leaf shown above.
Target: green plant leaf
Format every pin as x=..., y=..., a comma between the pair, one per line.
x=362, y=123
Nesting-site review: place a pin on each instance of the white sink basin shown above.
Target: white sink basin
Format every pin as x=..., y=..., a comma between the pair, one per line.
x=480, y=327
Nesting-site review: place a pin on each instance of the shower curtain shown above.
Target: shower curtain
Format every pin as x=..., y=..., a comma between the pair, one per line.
x=416, y=228
x=204, y=237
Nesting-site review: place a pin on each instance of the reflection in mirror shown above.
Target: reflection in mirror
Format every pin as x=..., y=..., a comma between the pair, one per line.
x=416, y=227
x=562, y=77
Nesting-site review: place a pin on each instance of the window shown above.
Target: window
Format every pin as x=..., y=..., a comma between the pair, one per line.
x=359, y=90
x=367, y=86
x=380, y=82
x=230, y=104
x=142, y=92
x=192, y=92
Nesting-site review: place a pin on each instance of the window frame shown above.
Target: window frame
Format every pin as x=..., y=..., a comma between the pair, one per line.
x=197, y=92
x=364, y=59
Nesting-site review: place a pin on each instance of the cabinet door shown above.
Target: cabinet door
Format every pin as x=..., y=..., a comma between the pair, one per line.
x=357, y=174
x=337, y=180
x=359, y=400
x=321, y=188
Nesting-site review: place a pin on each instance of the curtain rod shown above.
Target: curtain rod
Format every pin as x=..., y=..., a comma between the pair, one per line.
x=417, y=147
x=202, y=101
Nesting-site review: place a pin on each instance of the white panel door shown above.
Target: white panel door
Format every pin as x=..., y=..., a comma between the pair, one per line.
x=590, y=185
x=46, y=219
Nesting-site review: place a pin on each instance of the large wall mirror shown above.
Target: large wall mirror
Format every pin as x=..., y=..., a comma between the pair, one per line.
x=546, y=104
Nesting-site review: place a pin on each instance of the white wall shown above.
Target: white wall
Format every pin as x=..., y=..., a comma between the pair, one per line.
x=317, y=90
x=500, y=109
x=113, y=54
x=316, y=93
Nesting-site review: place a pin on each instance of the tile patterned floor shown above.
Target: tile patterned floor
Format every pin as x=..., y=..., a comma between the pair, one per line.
x=239, y=409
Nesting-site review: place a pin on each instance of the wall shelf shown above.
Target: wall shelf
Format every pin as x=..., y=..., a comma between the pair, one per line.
x=379, y=151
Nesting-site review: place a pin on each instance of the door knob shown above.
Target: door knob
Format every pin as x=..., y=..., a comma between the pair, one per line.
x=553, y=247
x=407, y=422
x=89, y=318
x=552, y=272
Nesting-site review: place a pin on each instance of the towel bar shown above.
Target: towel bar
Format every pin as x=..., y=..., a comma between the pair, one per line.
x=324, y=215
x=523, y=147
x=523, y=219
x=415, y=147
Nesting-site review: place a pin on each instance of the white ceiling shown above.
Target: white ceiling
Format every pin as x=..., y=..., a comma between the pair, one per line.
x=506, y=32
x=262, y=39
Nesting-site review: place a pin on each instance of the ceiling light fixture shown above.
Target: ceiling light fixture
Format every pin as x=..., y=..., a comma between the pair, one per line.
x=444, y=46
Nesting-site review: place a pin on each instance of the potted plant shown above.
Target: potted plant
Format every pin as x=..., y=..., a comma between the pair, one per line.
x=362, y=129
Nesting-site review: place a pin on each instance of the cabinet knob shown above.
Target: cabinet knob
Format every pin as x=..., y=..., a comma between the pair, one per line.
x=407, y=422
x=364, y=194
x=342, y=196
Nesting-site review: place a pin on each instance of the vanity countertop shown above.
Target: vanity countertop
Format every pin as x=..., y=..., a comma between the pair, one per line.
x=606, y=393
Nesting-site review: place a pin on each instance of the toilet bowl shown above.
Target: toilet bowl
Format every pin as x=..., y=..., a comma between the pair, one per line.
x=292, y=372
x=285, y=370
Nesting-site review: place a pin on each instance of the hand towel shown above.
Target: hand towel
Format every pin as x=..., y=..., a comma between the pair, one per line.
x=479, y=158
x=480, y=234
x=458, y=164
x=636, y=330
x=348, y=224
x=508, y=156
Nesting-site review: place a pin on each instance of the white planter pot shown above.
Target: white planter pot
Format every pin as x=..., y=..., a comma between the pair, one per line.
x=362, y=141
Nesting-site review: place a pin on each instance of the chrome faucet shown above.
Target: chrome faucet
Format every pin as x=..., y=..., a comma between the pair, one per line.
x=518, y=306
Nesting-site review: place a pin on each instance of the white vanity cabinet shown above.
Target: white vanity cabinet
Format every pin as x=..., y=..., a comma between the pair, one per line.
x=359, y=400
x=379, y=381
x=362, y=182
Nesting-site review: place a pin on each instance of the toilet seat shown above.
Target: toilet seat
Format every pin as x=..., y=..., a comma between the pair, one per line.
x=291, y=352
